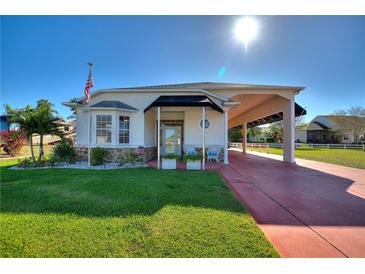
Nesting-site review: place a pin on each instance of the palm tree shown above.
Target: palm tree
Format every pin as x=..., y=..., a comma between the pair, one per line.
x=35, y=120
x=73, y=109
x=45, y=116
x=26, y=119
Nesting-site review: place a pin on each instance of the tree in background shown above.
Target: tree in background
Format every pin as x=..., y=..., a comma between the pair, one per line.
x=339, y=112
x=254, y=132
x=45, y=116
x=351, y=120
x=25, y=117
x=235, y=135
x=357, y=111
x=276, y=131
x=38, y=120
x=73, y=109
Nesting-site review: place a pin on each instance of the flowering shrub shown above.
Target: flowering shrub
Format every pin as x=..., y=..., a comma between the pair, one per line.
x=12, y=141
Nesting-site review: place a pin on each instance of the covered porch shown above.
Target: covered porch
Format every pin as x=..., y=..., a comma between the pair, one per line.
x=203, y=121
x=261, y=108
x=189, y=121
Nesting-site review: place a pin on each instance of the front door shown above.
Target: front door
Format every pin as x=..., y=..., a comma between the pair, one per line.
x=171, y=140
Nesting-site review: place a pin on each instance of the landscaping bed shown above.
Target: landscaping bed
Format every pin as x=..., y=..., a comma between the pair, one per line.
x=124, y=213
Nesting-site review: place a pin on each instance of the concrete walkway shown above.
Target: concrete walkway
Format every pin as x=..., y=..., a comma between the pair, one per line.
x=309, y=209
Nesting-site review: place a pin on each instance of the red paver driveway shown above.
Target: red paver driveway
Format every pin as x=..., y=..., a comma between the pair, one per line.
x=307, y=210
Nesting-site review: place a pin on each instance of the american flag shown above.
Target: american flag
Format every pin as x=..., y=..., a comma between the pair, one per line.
x=89, y=85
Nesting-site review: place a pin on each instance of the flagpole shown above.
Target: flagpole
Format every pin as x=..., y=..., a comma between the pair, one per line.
x=89, y=127
x=89, y=136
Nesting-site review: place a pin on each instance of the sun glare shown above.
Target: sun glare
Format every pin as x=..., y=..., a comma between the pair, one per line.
x=246, y=30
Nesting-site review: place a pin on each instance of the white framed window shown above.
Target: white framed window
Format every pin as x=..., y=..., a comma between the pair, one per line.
x=103, y=129
x=124, y=129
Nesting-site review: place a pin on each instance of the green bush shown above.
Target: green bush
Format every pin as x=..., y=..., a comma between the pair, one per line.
x=64, y=152
x=170, y=156
x=190, y=157
x=98, y=156
x=129, y=157
x=26, y=162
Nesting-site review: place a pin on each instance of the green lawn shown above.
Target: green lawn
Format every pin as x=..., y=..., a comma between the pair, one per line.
x=345, y=157
x=124, y=213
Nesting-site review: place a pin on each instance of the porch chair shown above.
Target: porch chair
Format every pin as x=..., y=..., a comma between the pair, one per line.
x=213, y=153
x=190, y=150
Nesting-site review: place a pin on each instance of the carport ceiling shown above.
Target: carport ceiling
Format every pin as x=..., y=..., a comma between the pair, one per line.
x=248, y=101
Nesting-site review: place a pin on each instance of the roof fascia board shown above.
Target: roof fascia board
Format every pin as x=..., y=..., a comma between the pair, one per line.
x=106, y=108
x=203, y=91
x=278, y=88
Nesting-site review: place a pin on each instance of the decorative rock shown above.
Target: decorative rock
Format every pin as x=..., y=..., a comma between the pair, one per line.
x=147, y=153
x=84, y=165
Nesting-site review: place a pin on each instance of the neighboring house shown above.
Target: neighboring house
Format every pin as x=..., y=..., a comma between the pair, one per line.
x=5, y=124
x=67, y=128
x=124, y=119
x=258, y=136
x=327, y=129
x=301, y=134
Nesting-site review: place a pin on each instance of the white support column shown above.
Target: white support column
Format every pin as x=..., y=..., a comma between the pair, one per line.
x=203, y=137
x=244, y=137
x=289, y=131
x=158, y=136
x=226, y=137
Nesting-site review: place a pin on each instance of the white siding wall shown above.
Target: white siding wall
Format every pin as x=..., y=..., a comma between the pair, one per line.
x=214, y=134
x=301, y=135
x=135, y=135
x=81, y=127
x=142, y=125
x=149, y=129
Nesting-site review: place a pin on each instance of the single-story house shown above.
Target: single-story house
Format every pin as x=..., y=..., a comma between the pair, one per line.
x=156, y=120
x=327, y=129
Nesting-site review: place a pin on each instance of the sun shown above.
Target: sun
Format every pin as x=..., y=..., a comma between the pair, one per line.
x=246, y=30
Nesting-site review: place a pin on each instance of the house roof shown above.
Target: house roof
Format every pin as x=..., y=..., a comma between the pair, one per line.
x=200, y=87
x=325, y=122
x=114, y=104
x=216, y=85
x=184, y=101
x=317, y=126
x=348, y=118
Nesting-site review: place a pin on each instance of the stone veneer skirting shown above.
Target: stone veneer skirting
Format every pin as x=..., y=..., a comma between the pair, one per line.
x=147, y=153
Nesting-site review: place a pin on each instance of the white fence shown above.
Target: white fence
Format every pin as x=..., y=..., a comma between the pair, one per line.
x=299, y=145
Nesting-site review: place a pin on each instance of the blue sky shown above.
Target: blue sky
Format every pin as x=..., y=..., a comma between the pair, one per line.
x=46, y=56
